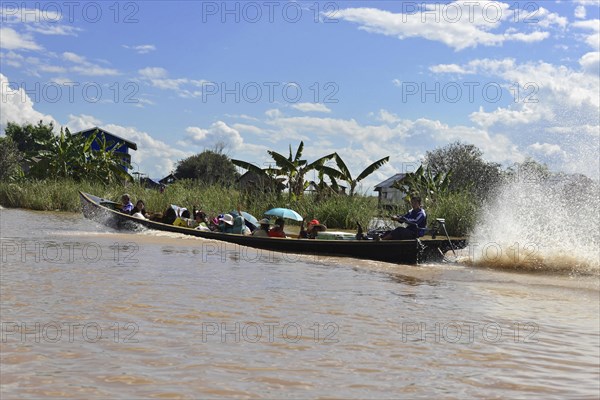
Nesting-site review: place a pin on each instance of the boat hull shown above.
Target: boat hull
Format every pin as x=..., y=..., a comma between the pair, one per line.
x=395, y=251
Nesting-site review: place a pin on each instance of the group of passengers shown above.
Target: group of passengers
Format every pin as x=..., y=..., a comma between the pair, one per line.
x=225, y=223
x=415, y=221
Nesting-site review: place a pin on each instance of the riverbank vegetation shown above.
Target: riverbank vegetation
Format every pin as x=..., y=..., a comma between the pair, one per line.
x=41, y=170
x=63, y=195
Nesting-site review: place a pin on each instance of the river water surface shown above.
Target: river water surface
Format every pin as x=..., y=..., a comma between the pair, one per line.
x=88, y=312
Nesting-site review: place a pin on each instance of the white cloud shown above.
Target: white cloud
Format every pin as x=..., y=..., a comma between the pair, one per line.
x=12, y=14
x=158, y=78
x=18, y=107
x=93, y=70
x=590, y=62
x=506, y=116
x=54, y=30
x=556, y=85
x=52, y=69
x=67, y=55
x=248, y=129
x=311, y=107
x=580, y=12
x=12, y=58
x=552, y=99
x=218, y=132
x=141, y=49
x=459, y=25
x=273, y=113
x=80, y=122
x=592, y=39
x=153, y=156
x=153, y=72
x=85, y=67
x=387, y=117
x=12, y=40
x=406, y=141
x=547, y=149
x=142, y=102
x=447, y=69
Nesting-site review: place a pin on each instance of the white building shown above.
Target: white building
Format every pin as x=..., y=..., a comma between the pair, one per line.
x=389, y=196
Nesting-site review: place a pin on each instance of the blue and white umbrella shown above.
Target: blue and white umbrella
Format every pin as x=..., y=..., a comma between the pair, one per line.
x=284, y=213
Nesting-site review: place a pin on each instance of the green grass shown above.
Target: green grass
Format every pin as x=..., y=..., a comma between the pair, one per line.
x=460, y=211
x=338, y=212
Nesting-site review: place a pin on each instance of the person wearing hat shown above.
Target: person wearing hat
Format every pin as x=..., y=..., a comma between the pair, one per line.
x=226, y=224
x=263, y=230
x=277, y=230
x=312, y=229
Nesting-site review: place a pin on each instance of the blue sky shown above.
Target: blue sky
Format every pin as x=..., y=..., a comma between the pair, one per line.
x=365, y=79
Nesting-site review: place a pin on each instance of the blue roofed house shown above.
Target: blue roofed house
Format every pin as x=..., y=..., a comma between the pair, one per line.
x=121, y=146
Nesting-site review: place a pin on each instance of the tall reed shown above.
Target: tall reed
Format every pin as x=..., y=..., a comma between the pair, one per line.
x=338, y=212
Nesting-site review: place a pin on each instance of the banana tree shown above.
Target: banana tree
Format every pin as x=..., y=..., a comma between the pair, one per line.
x=346, y=176
x=60, y=156
x=295, y=168
x=106, y=163
x=71, y=156
x=424, y=183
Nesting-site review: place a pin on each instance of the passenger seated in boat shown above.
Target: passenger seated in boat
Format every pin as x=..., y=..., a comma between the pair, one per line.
x=277, y=229
x=213, y=224
x=126, y=204
x=416, y=221
x=312, y=229
x=183, y=219
x=239, y=226
x=263, y=229
x=169, y=216
x=226, y=224
x=199, y=221
x=139, y=211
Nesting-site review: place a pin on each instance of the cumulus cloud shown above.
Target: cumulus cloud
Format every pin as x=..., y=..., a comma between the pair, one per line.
x=218, y=132
x=12, y=40
x=387, y=117
x=590, y=62
x=547, y=149
x=406, y=141
x=580, y=12
x=592, y=38
x=459, y=25
x=551, y=99
x=153, y=156
x=18, y=107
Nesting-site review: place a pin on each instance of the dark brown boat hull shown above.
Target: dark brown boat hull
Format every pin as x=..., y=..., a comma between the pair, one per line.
x=395, y=251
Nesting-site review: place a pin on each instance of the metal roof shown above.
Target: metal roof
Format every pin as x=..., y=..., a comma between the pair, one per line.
x=129, y=143
x=389, y=182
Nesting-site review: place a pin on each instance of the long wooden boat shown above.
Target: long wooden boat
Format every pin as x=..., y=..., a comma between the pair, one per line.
x=395, y=251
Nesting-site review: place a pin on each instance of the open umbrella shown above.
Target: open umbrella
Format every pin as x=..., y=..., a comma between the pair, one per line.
x=248, y=219
x=284, y=213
